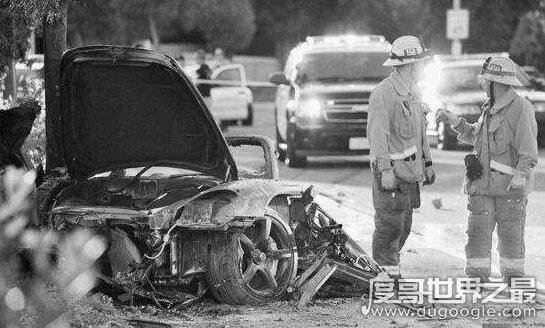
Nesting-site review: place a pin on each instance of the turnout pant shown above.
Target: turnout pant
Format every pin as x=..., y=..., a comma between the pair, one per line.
x=393, y=221
x=508, y=213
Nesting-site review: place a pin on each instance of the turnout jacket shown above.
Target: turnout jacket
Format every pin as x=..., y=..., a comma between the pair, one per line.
x=396, y=129
x=505, y=139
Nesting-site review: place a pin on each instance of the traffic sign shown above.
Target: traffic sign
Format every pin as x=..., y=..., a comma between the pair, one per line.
x=457, y=24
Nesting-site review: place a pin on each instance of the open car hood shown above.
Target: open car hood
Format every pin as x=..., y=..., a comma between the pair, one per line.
x=125, y=107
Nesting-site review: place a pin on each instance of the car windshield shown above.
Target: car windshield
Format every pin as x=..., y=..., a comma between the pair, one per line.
x=155, y=172
x=466, y=78
x=342, y=66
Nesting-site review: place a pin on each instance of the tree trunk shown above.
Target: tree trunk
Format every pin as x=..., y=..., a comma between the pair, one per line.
x=77, y=39
x=54, y=45
x=153, y=34
x=10, y=82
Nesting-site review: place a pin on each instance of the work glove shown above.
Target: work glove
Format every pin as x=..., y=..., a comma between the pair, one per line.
x=448, y=117
x=430, y=176
x=517, y=182
x=388, y=180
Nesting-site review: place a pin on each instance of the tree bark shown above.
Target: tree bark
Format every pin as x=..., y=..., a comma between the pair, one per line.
x=154, y=35
x=11, y=81
x=54, y=47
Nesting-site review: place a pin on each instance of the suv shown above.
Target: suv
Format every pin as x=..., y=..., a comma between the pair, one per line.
x=457, y=89
x=323, y=95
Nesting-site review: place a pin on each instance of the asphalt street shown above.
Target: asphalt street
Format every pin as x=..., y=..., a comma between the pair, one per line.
x=437, y=232
x=354, y=171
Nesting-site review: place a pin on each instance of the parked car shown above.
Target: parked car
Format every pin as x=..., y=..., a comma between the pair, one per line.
x=147, y=168
x=536, y=77
x=456, y=88
x=26, y=72
x=230, y=100
x=323, y=95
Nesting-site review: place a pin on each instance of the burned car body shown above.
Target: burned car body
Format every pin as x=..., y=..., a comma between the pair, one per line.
x=147, y=167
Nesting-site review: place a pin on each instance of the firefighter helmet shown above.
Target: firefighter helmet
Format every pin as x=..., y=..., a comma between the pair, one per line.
x=407, y=49
x=501, y=70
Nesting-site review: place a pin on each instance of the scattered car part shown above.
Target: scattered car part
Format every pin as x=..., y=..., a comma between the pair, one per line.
x=310, y=288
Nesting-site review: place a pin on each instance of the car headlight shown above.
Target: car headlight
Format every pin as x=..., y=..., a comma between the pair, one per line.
x=310, y=108
x=465, y=109
x=540, y=107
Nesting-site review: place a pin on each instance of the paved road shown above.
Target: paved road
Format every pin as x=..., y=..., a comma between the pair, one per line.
x=354, y=171
x=440, y=230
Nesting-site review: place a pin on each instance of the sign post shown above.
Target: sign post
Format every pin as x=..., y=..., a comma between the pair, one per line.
x=457, y=26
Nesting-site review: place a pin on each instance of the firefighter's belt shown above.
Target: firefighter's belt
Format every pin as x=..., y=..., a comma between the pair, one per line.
x=407, y=154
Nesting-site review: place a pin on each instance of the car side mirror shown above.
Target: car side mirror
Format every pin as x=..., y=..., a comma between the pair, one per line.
x=254, y=156
x=278, y=78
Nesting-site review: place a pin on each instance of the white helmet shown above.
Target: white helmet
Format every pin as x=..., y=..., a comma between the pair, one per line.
x=501, y=70
x=407, y=49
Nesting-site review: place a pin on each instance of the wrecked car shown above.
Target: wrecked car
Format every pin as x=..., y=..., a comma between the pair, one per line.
x=147, y=167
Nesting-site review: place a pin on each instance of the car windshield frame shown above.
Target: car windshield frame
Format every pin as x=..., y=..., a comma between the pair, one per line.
x=151, y=173
x=339, y=66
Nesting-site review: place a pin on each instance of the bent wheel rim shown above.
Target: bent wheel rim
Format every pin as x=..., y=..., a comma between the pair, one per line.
x=267, y=257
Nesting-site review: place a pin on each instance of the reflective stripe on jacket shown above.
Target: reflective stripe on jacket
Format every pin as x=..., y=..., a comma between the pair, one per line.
x=511, y=129
x=396, y=129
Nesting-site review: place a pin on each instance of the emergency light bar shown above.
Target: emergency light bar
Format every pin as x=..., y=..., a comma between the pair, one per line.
x=346, y=39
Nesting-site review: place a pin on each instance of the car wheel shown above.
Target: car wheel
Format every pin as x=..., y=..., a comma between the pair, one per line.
x=294, y=160
x=444, y=140
x=46, y=194
x=281, y=153
x=257, y=265
x=250, y=118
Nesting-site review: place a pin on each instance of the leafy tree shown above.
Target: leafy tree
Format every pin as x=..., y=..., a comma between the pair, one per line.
x=284, y=23
x=528, y=44
x=228, y=24
x=95, y=21
x=53, y=15
x=493, y=23
x=15, y=29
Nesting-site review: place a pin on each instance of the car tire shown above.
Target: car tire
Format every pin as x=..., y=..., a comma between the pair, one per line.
x=253, y=266
x=280, y=153
x=250, y=118
x=445, y=141
x=46, y=194
x=294, y=160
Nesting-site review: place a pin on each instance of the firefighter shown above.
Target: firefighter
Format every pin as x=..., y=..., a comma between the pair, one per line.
x=399, y=151
x=499, y=173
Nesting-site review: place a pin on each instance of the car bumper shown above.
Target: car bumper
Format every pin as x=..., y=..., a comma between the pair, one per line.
x=330, y=139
